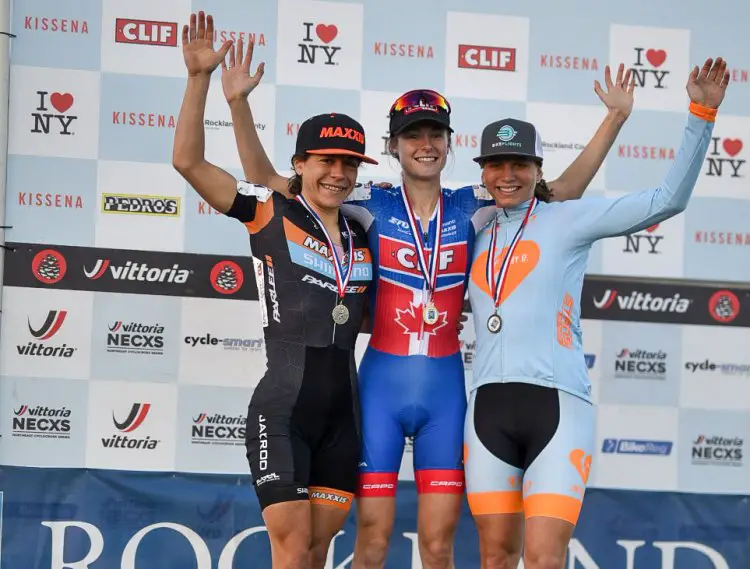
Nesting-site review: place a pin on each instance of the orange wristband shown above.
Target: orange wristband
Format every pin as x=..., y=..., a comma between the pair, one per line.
x=706, y=113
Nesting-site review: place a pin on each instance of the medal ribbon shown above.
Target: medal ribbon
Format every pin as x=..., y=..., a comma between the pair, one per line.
x=497, y=283
x=338, y=270
x=429, y=272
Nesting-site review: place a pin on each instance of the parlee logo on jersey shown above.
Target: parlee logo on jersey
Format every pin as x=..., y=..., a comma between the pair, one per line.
x=142, y=272
x=44, y=344
x=135, y=338
x=127, y=439
x=318, y=43
x=218, y=429
x=647, y=68
x=723, y=158
x=646, y=241
x=41, y=422
x=641, y=301
x=487, y=57
x=52, y=114
x=145, y=32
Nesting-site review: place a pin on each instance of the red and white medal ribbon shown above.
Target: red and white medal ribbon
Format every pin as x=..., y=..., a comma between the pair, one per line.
x=497, y=283
x=428, y=271
x=341, y=281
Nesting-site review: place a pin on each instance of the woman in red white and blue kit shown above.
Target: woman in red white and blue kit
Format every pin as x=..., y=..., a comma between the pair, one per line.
x=411, y=377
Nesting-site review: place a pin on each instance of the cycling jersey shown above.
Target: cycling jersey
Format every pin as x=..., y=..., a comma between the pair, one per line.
x=540, y=340
x=302, y=439
x=411, y=375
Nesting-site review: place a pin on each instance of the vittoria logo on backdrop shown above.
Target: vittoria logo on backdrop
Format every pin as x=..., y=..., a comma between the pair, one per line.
x=318, y=43
x=128, y=271
x=128, y=436
x=43, y=343
x=53, y=114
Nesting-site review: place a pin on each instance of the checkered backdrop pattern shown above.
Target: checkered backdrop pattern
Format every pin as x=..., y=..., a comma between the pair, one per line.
x=95, y=91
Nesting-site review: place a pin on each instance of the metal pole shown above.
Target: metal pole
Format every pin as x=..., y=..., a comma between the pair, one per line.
x=5, y=41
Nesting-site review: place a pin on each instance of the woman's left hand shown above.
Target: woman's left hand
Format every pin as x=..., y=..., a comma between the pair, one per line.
x=708, y=85
x=619, y=95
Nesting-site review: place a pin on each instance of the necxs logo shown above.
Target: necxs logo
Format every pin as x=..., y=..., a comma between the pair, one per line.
x=724, y=152
x=312, y=46
x=646, y=70
x=45, y=118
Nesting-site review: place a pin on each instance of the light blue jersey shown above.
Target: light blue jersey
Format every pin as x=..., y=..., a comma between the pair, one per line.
x=540, y=340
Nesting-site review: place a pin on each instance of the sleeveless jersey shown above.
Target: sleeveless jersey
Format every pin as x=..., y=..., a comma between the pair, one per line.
x=399, y=291
x=540, y=341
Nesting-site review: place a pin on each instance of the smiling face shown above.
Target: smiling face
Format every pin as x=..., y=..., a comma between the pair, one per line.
x=422, y=150
x=511, y=180
x=327, y=180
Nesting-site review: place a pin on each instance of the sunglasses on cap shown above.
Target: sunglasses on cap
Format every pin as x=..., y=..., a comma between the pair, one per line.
x=421, y=99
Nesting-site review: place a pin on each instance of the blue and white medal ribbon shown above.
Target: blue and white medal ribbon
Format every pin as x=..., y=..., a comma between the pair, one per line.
x=494, y=322
x=429, y=271
x=340, y=312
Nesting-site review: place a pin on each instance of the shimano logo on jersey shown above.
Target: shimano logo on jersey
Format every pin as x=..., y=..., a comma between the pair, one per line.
x=263, y=438
x=637, y=300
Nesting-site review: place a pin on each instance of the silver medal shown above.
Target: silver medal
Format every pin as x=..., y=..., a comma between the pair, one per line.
x=340, y=314
x=494, y=323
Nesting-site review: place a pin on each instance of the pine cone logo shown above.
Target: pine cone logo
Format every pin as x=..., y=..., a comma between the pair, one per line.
x=49, y=266
x=227, y=277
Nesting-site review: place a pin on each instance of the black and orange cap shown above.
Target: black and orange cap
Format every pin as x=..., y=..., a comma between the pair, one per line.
x=332, y=133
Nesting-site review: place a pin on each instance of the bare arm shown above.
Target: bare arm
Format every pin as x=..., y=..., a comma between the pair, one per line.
x=571, y=184
x=217, y=187
x=213, y=184
x=238, y=84
x=618, y=98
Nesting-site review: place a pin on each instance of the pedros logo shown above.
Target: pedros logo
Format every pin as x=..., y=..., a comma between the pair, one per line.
x=487, y=57
x=165, y=206
x=43, y=334
x=642, y=301
x=133, y=421
x=145, y=32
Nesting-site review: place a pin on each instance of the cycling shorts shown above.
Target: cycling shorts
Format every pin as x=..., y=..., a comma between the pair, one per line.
x=411, y=396
x=301, y=437
x=528, y=449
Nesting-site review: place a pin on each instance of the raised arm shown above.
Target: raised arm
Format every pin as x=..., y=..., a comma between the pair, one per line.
x=216, y=186
x=600, y=218
x=238, y=84
x=618, y=98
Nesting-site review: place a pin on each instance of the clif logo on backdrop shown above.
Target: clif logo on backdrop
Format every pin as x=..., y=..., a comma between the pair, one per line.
x=487, y=57
x=646, y=70
x=56, y=118
x=311, y=47
x=146, y=32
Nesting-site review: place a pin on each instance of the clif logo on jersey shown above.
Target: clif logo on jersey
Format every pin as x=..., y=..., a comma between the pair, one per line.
x=51, y=115
x=640, y=301
x=487, y=57
x=146, y=32
x=723, y=157
x=134, y=420
x=316, y=44
x=41, y=422
x=647, y=70
x=43, y=346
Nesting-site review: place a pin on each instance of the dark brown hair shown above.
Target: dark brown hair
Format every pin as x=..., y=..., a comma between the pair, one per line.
x=542, y=191
x=295, y=182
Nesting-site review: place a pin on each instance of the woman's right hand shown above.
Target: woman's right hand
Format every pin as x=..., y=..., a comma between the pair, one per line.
x=198, y=46
x=235, y=77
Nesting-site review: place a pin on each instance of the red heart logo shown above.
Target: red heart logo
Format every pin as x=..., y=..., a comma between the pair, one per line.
x=656, y=56
x=652, y=228
x=326, y=33
x=732, y=146
x=61, y=101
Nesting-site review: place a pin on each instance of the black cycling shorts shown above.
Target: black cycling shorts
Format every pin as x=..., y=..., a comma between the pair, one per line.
x=301, y=437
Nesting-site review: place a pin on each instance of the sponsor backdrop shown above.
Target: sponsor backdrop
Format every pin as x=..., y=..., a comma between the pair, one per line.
x=132, y=340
